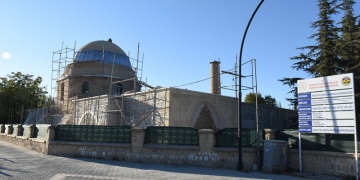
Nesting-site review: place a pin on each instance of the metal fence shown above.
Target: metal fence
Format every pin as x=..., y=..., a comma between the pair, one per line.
x=228, y=137
x=93, y=133
x=318, y=141
x=171, y=135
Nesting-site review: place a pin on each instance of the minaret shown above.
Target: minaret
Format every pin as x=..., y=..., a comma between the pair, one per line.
x=215, y=77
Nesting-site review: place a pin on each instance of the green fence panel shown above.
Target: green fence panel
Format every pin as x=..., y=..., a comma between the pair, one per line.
x=93, y=133
x=228, y=137
x=171, y=135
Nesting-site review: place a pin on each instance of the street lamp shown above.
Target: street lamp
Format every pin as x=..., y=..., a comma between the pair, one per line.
x=240, y=164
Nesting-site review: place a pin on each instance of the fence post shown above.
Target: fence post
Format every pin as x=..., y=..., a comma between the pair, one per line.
x=2, y=130
x=9, y=129
x=20, y=130
x=32, y=131
x=269, y=134
x=137, y=137
x=206, y=140
x=50, y=133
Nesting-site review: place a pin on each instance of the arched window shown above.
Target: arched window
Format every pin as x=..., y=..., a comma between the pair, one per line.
x=118, y=89
x=85, y=88
x=62, y=92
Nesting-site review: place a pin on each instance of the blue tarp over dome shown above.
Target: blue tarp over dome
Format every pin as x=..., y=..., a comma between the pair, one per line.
x=102, y=51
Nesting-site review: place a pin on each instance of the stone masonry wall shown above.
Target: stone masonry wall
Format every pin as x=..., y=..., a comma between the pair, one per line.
x=323, y=162
x=139, y=109
x=206, y=155
x=148, y=108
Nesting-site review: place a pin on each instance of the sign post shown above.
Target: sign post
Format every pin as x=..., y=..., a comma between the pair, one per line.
x=327, y=105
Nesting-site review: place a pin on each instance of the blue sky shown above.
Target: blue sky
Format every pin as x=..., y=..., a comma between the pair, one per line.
x=179, y=38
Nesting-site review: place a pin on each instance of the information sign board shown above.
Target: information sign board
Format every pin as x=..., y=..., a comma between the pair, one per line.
x=326, y=105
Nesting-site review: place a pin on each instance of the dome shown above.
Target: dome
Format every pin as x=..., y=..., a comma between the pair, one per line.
x=103, y=52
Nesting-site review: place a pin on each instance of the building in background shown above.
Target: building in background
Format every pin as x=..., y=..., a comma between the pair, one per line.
x=99, y=86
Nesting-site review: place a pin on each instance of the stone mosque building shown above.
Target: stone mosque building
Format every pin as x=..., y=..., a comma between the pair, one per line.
x=101, y=87
x=98, y=68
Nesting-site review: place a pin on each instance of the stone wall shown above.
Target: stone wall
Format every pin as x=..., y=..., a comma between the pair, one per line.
x=142, y=109
x=205, y=155
x=148, y=108
x=185, y=108
x=92, y=111
x=26, y=136
x=323, y=162
x=170, y=107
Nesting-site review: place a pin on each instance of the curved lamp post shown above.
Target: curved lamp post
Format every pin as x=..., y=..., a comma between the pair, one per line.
x=240, y=163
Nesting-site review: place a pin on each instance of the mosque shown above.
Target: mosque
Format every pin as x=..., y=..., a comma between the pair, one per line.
x=101, y=87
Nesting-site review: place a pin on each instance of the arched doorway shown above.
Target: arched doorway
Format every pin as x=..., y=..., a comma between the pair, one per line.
x=205, y=121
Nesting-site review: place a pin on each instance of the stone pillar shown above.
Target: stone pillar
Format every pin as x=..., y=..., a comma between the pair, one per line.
x=32, y=132
x=50, y=133
x=19, y=130
x=2, y=129
x=137, y=137
x=269, y=134
x=9, y=129
x=206, y=140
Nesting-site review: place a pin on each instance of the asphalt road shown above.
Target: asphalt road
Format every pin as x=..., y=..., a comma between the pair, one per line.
x=18, y=163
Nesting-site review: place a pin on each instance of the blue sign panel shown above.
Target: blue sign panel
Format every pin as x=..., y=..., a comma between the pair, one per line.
x=303, y=124
x=304, y=109
x=306, y=95
x=305, y=130
x=305, y=116
x=304, y=102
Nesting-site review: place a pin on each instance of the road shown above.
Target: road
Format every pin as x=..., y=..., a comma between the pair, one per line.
x=18, y=163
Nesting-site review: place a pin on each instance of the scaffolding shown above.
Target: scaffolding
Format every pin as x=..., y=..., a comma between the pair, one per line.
x=137, y=107
x=60, y=60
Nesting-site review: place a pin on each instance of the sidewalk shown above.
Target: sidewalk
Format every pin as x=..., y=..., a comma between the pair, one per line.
x=17, y=162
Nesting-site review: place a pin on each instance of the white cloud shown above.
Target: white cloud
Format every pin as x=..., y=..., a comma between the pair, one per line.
x=5, y=55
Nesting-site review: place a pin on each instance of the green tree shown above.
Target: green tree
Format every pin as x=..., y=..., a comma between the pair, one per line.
x=19, y=92
x=349, y=43
x=323, y=58
x=268, y=100
x=292, y=83
x=251, y=98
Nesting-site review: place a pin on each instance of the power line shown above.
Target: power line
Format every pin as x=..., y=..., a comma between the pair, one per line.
x=198, y=81
x=193, y=82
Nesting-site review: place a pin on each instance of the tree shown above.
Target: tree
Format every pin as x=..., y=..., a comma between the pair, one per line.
x=332, y=54
x=292, y=83
x=268, y=100
x=349, y=43
x=19, y=92
x=323, y=58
